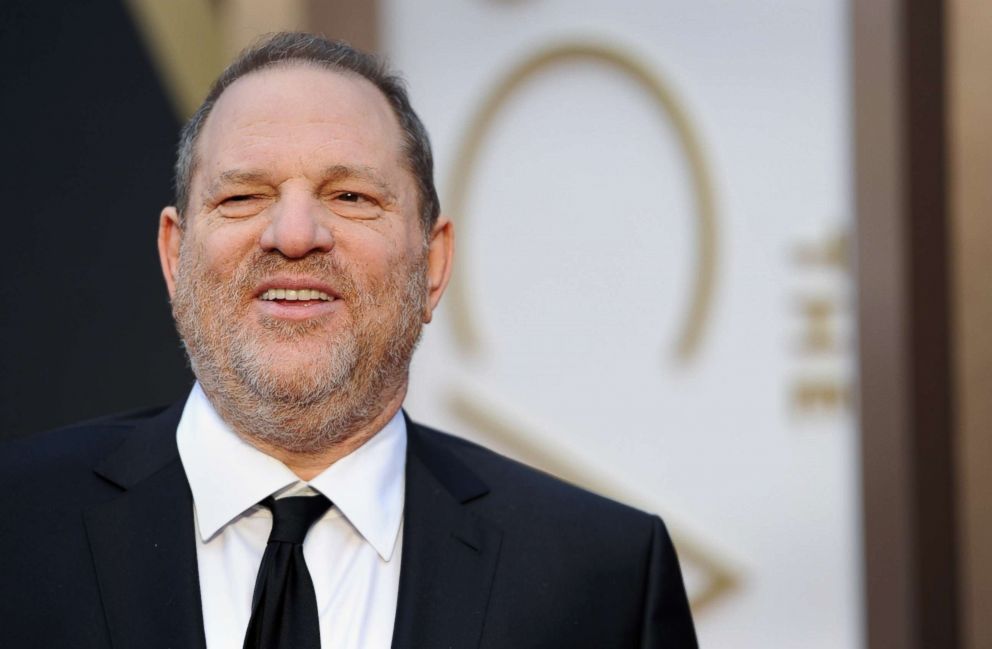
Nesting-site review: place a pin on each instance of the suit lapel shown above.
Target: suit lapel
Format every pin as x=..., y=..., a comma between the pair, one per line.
x=144, y=547
x=449, y=554
x=143, y=542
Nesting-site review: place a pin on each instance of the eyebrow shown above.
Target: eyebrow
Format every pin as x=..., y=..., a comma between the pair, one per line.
x=237, y=177
x=330, y=174
x=344, y=172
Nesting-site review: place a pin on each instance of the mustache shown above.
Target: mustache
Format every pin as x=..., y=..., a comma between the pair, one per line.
x=325, y=267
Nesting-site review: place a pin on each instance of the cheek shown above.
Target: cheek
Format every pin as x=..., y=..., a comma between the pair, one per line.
x=371, y=249
x=400, y=238
x=221, y=250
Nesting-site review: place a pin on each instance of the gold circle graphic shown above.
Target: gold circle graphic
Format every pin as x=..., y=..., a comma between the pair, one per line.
x=670, y=110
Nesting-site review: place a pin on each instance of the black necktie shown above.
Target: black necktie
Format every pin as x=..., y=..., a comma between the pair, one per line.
x=284, y=607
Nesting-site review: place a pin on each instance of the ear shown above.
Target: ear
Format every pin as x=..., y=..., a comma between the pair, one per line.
x=440, y=252
x=170, y=235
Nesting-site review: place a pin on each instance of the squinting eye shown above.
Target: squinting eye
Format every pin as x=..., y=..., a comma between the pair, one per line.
x=242, y=205
x=350, y=197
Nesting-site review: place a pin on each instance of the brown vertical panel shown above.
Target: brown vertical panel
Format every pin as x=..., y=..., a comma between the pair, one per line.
x=882, y=303
x=904, y=322
x=969, y=29
x=354, y=21
x=932, y=416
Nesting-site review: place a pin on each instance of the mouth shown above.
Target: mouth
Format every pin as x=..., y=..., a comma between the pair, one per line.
x=295, y=295
x=296, y=299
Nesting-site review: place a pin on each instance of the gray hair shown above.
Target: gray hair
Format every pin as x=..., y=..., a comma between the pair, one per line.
x=298, y=47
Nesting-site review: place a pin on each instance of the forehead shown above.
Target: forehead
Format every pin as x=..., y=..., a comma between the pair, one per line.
x=298, y=114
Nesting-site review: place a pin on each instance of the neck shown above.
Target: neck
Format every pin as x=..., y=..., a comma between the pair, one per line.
x=308, y=465
x=308, y=438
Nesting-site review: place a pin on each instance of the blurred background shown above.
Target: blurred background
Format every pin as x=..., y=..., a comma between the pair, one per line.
x=726, y=261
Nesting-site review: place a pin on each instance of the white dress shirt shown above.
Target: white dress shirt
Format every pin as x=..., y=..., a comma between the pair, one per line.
x=353, y=551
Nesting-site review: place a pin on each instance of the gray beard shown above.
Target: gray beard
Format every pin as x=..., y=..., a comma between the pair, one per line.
x=320, y=405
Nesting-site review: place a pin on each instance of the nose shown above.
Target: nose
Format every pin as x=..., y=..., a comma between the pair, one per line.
x=297, y=228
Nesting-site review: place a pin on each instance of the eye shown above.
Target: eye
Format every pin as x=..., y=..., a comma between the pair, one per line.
x=354, y=205
x=241, y=199
x=352, y=197
x=242, y=205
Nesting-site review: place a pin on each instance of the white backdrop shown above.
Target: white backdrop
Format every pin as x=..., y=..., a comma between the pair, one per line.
x=580, y=243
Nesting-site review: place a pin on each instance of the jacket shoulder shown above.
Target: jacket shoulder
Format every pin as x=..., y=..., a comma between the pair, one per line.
x=526, y=492
x=62, y=453
x=575, y=568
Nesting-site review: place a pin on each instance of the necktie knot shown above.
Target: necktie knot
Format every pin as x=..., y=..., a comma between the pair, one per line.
x=292, y=517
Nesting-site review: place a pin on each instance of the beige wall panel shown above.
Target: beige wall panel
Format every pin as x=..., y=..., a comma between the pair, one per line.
x=242, y=21
x=356, y=22
x=192, y=40
x=970, y=88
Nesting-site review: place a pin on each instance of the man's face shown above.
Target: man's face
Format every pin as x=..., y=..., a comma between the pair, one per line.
x=302, y=272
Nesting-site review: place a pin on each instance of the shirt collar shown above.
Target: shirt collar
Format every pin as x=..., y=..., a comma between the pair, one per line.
x=229, y=476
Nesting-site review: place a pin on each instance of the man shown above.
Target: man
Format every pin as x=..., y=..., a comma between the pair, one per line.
x=302, y=257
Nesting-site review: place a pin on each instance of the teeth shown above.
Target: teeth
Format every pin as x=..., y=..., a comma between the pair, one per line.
x=296, y=295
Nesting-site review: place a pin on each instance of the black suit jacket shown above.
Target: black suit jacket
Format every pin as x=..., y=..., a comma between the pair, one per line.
x=97, y=550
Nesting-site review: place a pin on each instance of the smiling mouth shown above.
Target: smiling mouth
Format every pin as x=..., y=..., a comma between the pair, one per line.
x=295, y=295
